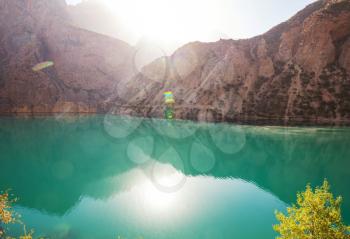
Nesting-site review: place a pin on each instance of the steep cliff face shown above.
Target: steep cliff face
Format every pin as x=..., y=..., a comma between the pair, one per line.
x=297, y=72
x=87, y=66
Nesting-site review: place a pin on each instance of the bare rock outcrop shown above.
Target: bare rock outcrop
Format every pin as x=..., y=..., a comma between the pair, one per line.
x=87, y=66
x=297, y=72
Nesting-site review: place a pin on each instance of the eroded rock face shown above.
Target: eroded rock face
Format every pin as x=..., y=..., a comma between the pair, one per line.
x=87, y=70
x=299, y=71
x=296, y=72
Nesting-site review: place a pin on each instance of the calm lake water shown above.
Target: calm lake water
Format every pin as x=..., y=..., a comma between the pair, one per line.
x=109, y=176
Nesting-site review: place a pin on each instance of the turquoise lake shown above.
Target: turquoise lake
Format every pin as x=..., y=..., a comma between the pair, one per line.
x=106, y=176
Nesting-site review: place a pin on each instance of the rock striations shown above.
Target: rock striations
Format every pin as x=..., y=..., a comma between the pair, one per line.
x=298, y=72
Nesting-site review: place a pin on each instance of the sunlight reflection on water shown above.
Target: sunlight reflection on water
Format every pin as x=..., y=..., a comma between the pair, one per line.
x=143, y=206
x=103, y=176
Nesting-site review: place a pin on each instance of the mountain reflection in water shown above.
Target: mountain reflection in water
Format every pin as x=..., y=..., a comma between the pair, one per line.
x=103, y=176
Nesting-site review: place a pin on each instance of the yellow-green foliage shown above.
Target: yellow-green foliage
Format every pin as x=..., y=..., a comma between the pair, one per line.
x=5, y=209
x=7, y=216
x=317, y=215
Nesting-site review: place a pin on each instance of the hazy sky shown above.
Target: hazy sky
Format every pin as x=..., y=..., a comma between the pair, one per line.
x=181, y=21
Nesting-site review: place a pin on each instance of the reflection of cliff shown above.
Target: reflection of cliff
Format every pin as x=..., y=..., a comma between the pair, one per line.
x=58, y=159
x=63, y=160
x=281, y=161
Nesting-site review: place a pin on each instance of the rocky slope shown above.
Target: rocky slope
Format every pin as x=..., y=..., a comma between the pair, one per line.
x=94, y=16
x=297, y=72
x=88, y=66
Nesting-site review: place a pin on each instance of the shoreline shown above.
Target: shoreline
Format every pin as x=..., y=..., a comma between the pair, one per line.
x=258, y=121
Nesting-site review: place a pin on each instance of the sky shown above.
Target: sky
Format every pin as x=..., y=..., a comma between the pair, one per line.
x=182, y=21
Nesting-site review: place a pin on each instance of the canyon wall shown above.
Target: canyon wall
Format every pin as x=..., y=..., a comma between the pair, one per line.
x=298, y=72
x=87, y=69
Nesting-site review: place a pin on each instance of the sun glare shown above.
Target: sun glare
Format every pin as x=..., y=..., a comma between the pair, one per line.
x=155, y=199
x=165, y=20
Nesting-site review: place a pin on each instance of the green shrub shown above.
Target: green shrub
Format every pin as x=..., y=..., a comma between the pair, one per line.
x=317, y=215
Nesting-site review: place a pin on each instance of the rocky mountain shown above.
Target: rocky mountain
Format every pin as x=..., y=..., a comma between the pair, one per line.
x=297, y=72
x=87, y=66
x=94, y=16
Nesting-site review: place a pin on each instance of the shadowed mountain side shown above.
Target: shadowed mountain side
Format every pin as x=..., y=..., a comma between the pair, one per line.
x=88, y=67
x=75, y=157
